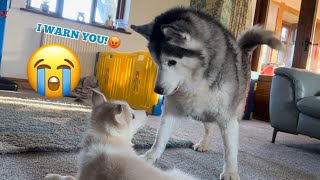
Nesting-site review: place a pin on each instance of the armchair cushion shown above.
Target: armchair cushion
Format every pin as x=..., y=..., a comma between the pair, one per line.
x=310, y=106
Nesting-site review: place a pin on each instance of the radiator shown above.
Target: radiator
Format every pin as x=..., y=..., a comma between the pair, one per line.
x=86, y=51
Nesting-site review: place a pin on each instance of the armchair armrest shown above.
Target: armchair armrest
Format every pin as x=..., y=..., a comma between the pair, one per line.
x=284, y=113
x=305, y=83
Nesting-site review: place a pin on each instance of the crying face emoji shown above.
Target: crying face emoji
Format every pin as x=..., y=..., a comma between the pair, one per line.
x=53, y=70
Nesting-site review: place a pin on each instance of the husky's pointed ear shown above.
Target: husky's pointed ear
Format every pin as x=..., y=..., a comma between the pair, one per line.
x=117, y=111
x=173, y=34
x=144, y=30
x=97, y=98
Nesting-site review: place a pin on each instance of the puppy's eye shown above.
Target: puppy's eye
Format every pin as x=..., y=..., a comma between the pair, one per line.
x=172, y=63
x=133, y=116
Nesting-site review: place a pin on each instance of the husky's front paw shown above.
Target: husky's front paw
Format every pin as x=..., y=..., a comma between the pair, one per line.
x=149, y=158
x=201, y=147
x=229, y=176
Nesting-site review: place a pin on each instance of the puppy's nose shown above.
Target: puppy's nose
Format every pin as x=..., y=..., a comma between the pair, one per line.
x=158, y=90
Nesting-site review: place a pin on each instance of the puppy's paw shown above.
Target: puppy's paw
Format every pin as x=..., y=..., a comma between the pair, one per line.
x=229, y=176
x=52, y=177
x=148, y=158
x=131, y=144
x=201, y=147
x=178, y=174
x=58, y=177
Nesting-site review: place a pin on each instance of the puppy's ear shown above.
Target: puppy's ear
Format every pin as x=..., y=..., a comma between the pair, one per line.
x=145, y=30
x=97, y=98
x=173, y=34
x=118, y=114
x=118, y=109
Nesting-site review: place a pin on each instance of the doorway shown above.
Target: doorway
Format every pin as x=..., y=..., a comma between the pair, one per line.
x=314, y=63
x=297, y=24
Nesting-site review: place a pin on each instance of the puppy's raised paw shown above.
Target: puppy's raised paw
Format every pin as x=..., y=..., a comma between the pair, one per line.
x=149, y=159
x=52, y=177
x=58, y=177
x=229, y=176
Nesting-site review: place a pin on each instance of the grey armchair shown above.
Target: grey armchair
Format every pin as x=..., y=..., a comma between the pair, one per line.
x=295, y=102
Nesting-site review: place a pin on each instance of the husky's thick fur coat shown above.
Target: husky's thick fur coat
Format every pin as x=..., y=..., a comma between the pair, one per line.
x=204, y=73
x=107, y=152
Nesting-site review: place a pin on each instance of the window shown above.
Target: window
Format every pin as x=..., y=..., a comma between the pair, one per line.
x=106, y=9
x=282, y=56
x=94, y=12
x=37, y=4
x=284, y=34
x=77, y=10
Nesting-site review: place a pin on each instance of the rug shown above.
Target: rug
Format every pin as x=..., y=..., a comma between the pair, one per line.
x=34, y=125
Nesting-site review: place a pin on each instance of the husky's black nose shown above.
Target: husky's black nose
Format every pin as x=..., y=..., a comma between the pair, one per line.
x=158, y=90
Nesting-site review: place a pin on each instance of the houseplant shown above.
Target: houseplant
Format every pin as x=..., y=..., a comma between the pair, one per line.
x=109, y=22
x=44, y=7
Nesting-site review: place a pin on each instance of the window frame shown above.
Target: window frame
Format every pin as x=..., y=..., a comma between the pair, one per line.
x=59, y=10
x=119, y=13
x=55, y=13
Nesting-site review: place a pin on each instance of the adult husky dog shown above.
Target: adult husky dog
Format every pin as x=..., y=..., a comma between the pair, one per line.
x=204, y=72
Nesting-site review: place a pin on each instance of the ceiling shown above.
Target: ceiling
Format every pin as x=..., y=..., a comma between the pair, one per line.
x=296, y=5
x=290, y=18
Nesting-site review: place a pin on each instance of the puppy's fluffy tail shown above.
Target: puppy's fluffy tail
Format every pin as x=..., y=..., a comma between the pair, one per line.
x=255, y=36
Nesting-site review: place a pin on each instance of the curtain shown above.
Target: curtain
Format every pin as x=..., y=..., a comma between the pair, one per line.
x=239, y=16
x=233, y=14
x=211, y=7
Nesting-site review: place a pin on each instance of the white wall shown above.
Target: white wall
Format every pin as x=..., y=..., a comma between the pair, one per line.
x=21, y=40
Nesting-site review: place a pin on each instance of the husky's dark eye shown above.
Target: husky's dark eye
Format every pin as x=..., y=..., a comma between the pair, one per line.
x=133, y=116
x=172, y=63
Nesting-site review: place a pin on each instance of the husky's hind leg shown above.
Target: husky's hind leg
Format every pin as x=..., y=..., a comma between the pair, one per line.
x=169, y=122
x=58, y=177
x=230, y=136
x=204, y=143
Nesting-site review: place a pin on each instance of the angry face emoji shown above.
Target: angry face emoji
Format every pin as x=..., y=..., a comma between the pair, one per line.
x=114, y=42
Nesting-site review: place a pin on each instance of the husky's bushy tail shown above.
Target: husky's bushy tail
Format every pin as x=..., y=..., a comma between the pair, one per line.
x=257, y=35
